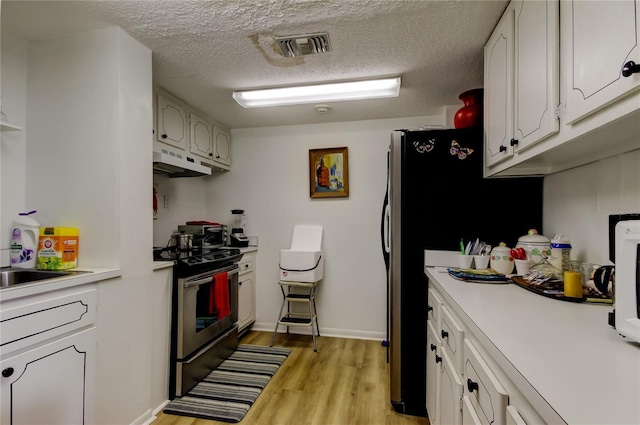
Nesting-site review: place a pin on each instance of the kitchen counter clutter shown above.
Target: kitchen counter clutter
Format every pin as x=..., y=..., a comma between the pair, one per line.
x=557, y=362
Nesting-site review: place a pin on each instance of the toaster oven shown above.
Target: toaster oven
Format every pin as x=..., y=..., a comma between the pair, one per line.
x=627, y=282
x=206, y=235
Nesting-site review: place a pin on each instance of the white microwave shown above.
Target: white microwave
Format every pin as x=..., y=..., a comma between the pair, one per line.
x=627, y=283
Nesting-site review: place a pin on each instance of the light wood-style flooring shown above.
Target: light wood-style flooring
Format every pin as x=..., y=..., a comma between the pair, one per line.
x=345, y=382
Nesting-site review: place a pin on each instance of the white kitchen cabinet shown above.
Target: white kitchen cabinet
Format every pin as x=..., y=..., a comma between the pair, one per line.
x=513, y=417
x=452, y=336
x=451, y=389
x=486, y=395
x=50, y=384
x=200, y=136
x=434, y=366
x=469, y=416
x=601, y=39
x=247, y=291
x=434, y=308
x=47, y=357
x=498, y=94
x=521, y=79
x=221, y=147
x=598, y=107
x=172, y=122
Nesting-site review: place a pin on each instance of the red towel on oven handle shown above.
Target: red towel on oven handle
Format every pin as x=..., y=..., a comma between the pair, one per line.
x=222, y=302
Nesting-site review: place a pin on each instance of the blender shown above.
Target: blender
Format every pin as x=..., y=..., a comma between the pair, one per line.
x=238, y=238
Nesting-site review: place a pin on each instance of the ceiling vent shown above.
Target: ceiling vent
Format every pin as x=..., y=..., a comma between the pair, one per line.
x=300, y=45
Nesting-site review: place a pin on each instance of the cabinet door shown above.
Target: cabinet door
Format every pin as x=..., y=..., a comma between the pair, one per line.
x=601, y=37
x=221, y=146
x=434, y=306
x=488, y=398
x=200, y=137
x=469, y=415
x=537, y=71
x=434, y=365
x=172, y=122
x=498, y=97
x=450, y=393
x=513, y=417
x=50, y=384
x=246, y=300
x=452, y=336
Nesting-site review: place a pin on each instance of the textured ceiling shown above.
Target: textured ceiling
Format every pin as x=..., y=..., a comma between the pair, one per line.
x=203, y=50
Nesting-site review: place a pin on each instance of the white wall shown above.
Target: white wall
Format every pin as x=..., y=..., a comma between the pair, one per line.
x=89, y=165
x=186, y=203
x=578, y=203
x=13, y=145
x=269, y=178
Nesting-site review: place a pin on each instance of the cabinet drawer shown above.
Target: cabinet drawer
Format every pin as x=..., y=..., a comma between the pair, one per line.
x=32, y=323
x=485, y=392
x=452, y=337
x=434, y=305
x=513, y=417
x=245, y=266
x=469, y=415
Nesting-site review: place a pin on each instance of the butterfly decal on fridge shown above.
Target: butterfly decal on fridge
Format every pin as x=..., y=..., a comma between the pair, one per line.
x=456, y=149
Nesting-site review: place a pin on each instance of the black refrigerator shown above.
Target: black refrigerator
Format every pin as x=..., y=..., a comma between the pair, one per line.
x=436, y=195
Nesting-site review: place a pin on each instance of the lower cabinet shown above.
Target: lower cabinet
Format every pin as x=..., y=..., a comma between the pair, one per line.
x=247, y=291
x=434, y=366
x=462, y=387
x=50, y=384
x=48, y=358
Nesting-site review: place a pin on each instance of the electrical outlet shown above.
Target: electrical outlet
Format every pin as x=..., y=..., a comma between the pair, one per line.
x=166, y=201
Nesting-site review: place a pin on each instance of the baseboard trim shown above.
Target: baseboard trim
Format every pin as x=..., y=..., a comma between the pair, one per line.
x=145, y=419
x=336, y=333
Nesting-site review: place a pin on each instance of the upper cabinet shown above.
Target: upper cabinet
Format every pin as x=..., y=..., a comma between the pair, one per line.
x=221, y=147
x=521, y=79
x=172, y=122
x=554, y=103
x=602, y=55
x=184, y=132
x=201, y=140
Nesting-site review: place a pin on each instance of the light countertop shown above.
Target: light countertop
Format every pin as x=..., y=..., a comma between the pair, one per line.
x=38, y=287
x=563, y=356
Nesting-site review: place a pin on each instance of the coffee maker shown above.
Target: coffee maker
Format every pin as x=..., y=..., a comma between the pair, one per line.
x=238, y=238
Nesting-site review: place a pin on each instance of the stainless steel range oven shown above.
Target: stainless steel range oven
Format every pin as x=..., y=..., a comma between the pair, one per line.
x=204, y=314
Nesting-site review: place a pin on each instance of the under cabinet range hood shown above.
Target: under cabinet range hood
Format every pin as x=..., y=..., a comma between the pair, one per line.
x=177, y=165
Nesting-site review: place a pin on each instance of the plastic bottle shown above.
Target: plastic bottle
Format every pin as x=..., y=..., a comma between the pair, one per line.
x=561, y=252
x=24, y=241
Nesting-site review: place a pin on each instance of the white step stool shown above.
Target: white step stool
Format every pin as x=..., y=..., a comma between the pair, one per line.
x=301, y=269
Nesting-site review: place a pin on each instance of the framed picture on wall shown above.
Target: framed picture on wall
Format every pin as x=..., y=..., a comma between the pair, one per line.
x=329, y=173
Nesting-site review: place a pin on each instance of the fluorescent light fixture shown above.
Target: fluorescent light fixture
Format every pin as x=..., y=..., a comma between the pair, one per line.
x=333, y=92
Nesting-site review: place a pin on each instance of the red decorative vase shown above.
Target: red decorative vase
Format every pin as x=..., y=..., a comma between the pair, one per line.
x=470, y=115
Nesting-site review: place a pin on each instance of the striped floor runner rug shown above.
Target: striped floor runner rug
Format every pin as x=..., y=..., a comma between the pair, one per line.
x=227, y=393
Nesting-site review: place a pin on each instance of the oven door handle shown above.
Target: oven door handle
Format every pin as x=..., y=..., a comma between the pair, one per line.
x=207, y=279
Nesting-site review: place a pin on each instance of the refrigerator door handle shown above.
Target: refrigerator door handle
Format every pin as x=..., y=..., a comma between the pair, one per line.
x=387, y=229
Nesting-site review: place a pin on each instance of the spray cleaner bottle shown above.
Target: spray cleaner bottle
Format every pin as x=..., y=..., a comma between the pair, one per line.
x=24, y=241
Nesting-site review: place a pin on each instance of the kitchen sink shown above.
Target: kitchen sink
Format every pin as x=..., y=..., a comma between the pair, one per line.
x=11, y=277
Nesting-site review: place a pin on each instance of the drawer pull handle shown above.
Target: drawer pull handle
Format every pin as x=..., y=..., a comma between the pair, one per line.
x=513, y=142
x=164, y=136
x=471, y=386
x=429, y=308
x=433, y=347
x=438, y=359
x=630, y=68
x=7, y=372
x=444, y=334
x=503, y=148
